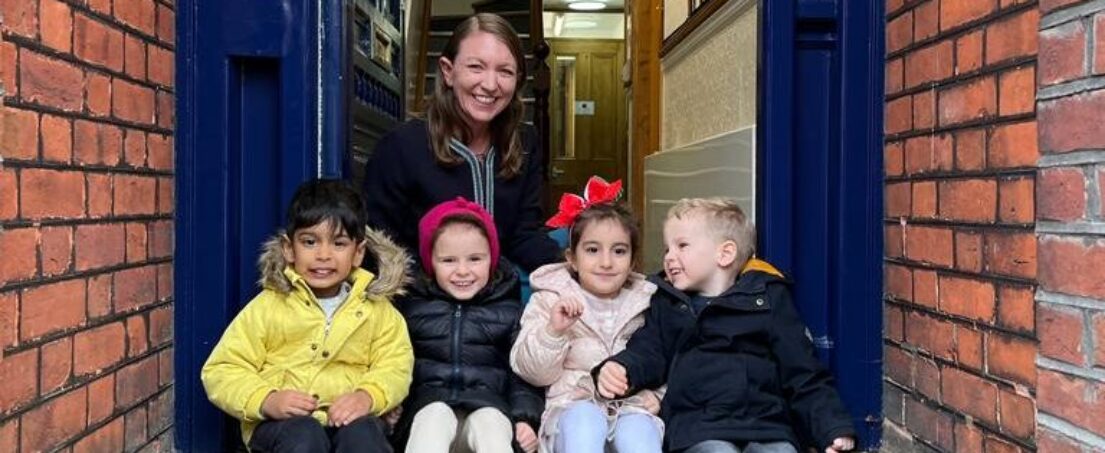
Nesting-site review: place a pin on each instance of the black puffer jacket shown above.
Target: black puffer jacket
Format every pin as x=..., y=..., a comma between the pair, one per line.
x=462, y=350
x=743, y=370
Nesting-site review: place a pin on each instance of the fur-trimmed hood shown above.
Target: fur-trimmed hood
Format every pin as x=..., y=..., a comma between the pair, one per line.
x=391, y=278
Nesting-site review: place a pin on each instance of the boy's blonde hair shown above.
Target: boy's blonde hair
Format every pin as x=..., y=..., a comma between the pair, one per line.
x=724, y=218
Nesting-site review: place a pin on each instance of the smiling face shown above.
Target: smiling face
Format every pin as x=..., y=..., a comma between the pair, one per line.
x=461, y=260
x=483, y=77
x=602, y=258
x=324, y=255
x=694, y=257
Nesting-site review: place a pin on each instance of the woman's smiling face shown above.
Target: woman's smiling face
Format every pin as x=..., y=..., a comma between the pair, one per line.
x=483, y=77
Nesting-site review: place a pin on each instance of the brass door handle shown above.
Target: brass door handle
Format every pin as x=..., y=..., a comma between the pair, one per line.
x=555, y=172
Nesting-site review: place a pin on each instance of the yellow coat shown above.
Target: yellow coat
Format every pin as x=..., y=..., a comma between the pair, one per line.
x=280, y=341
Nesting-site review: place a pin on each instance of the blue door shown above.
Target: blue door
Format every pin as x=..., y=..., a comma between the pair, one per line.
x=820, y=168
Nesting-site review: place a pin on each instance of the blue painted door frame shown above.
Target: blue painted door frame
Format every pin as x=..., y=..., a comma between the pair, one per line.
x=820, y=182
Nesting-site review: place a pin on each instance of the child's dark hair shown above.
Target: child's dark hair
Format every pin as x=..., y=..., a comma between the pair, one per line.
x=606, y=211
x=331, y=200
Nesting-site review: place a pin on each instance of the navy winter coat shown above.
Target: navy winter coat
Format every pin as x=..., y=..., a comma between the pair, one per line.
x=743, y=370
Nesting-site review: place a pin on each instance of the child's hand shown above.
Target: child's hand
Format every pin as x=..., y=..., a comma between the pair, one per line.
x=650, y=401
x=612, y=380
x=349, y=407
x=527, y=439
x=284, y=404
x=565, y=313
x=841, y=444
x=392, y=416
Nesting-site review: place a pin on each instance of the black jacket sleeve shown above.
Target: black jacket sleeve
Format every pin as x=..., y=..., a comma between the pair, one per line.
x=530, y=245
x=527, y=402
x=386, y=188
x=646, y=356
x=813, y=399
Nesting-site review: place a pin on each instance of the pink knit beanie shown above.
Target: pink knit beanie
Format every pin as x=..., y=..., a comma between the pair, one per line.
x=449, y=209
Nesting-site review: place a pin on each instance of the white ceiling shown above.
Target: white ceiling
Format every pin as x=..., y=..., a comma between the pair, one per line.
x=584, y=25
x=563, y=4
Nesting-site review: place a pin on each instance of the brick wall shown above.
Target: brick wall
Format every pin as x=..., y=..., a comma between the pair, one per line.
x=1071, y=225
x=961, y=150
x=86, y=203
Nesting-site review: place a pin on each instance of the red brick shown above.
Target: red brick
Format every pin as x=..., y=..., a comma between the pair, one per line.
x=968, y=437
x=899, y=115
x=1062, y=194
x=99, y=295
x=968, y=251
x=52, y=307
x=161, y=151
x=57, y=139
x=955, y=13
x=1046, y=6
x=19, y=373
x=929, y=424
x=1011, y=358
x=136, y=242
x=101, y=6
x=892, y=6
x=926, y=19
x=9, y=196
x=165, y=366
x=930, y=334
x=897, y=199
x=899, y=282
x=929, y=245
x=929, y=64
x=1012, y=37
x=135, y=429
x=166, y=24
x=135, y=288
x=970, y=200
x=1072, y=266
x=165, y=196
x=968, y=347
x=893, y=241
x=1068, y=124
x=970, y=394
x=1099, y=338
x=1017, y=203
x=1062, y=53
x=894, y=76
x=132, y=102
x=20, y=251
x=924, y=288
x=137, y=13
x=136, y=382
x=161, y=412
x=969, y=298
x=164, y=281
x=924, y=199
x=98, y=94
x=97, y=43
x=9, y=435
x=161, y=239
x=99, y=348
x=1099, y=51
x=893, y=155
x=1100, y=187
x=1076, y=400
x=51, y=194
x=137, y=339
x=165, y=109
x=161, y=326
x=1060, y=333
x=8, y=68
x=1016, y=308
x=1052, y=442
x=924, y=109
x=101, y=398
x=929, y=153
x=20, y=131
x=996, y=445
x=134, y=148
x=893, y=320
x=968, y=52
x=927, y=378
x=1013, y=145
x=1018, y=91
x=57, y=364
x=57, y=24
x=56, y=250
x=100, y=246
x=9, y=319
x=1011, y=254
x=134, y=56
x=161, y=66
x=971, y=100
x=898, y=364
x=55, y=422
x=108, y=438
x=97, y=143
x=1018, y=415
x=99, y=195
x=20, y=18
x=899, y=32
x=135, y=195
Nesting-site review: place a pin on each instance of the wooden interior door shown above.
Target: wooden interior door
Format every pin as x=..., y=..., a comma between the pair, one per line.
x=586, y=141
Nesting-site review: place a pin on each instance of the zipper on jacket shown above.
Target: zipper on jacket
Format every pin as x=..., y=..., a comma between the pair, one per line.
x=458, y=314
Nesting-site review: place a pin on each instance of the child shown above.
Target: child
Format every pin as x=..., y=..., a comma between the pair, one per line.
x=463, y=317
x=581, y=312
x=723, y=334
x=310, y=363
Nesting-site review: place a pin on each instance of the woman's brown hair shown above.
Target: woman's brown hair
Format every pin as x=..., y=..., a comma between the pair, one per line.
x=444, y=113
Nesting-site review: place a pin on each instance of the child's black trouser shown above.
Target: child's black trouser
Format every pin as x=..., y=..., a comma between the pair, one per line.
x=306, y=435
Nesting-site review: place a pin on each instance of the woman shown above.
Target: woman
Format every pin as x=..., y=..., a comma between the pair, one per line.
x=471, y=144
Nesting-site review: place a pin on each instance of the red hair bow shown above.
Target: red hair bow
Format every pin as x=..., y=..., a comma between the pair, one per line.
x=597, y=191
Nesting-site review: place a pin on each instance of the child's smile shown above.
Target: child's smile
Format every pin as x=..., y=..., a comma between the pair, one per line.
x=323, y=256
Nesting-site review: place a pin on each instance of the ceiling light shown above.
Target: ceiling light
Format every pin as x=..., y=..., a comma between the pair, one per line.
x=587, y=6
